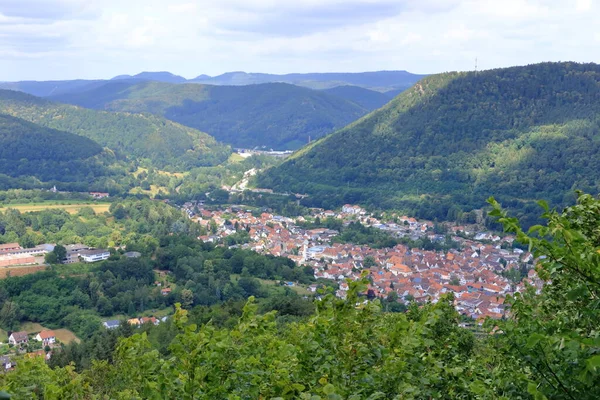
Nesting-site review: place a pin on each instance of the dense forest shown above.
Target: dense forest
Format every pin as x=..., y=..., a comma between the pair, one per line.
x=30, y=150
x=546, y=348
x=275, y=115
x=443, y=146
x=164, y=144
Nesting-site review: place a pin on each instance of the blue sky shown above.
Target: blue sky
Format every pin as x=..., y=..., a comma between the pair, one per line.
x=67, y=39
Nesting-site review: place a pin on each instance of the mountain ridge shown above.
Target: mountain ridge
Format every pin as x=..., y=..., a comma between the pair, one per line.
x=376, y=80
x=454, y=139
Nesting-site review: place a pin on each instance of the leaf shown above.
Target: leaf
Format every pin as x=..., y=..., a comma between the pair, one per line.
x=478, y=387
x=533, y=390
x=534, y=339
x=593, y=363
x=544, y=205
x=298, y=387
x=329, y=389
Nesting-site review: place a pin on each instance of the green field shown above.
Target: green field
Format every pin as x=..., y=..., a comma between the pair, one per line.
x=74, y=269
x=71, y=207
x=235, y=158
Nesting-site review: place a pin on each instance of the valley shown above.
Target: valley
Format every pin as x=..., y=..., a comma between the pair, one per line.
x=299, y=235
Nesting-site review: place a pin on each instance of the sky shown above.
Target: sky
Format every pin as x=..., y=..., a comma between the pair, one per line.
x=91, y=39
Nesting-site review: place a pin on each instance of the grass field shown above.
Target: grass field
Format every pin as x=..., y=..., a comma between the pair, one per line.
x=64, y=335
x=235, y=158
x=70, y=207
x=73, y=269
x=31, y=327
x=175, y=174
x=3, y=336
x=154, y=189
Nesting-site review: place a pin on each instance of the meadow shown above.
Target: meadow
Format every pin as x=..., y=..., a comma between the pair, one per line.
x=71, y=207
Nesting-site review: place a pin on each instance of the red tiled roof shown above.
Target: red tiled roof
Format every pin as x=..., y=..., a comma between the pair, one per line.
x=46, y=334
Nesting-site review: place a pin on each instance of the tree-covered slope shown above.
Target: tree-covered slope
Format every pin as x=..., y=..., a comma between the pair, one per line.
x=143, y=136
x=274, y=115
x=454, y=139
x=369, y=99
x=30, y=153
x=21, y=139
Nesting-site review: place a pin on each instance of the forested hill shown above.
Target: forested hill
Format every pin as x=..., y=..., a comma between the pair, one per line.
x=456, y=138
x=20, y=139
x=163, y=143
x=31, y=154
x=369, y=99
x=275, y=115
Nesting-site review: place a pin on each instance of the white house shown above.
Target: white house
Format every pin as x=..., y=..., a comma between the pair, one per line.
x=17, y=338
x=350, y=209
x=6, y=362
x=46, y=337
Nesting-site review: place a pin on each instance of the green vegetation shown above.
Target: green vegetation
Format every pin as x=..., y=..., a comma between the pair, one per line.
x=375, y=238
x=359, y=234
x=164, y=144
x=23, y=140
x=440, y=148
x=31, y=151
x=129, y=223
x=275, y=115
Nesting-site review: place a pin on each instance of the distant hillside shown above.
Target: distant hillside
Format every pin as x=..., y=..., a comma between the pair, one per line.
x=162, y=142
x=274, y=115
x=454, y=139
x=382, y=81
x=50, y=88
x=394, y=92
x=161, y=76
x=368, y=99
x=379, y=80
x=30, y=151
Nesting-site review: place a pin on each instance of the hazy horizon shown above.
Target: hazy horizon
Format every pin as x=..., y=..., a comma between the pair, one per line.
x=89, y=39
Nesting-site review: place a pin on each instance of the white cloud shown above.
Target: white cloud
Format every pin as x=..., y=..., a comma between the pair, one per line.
x=93, y=38
x=583, y=5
